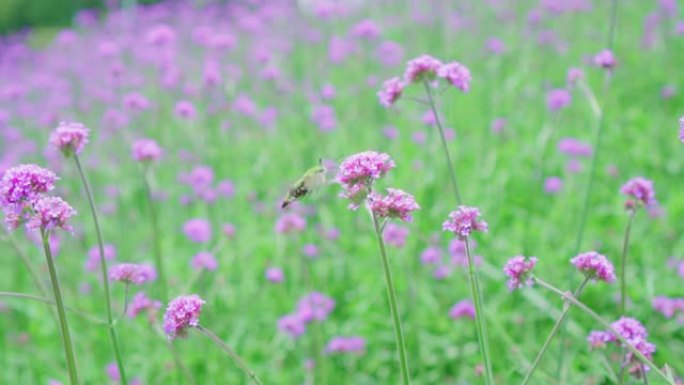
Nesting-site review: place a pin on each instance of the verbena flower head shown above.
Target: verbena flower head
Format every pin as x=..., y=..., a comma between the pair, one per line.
x=395, y=235
x=456, y=74
x=315, y=306
x=605, y=59
x=358, y=172
x=574, y=147
x=574, y=75
x=635, y=334
x=519, y=271
x=24, y=184
x=146, y=150
x=391, y=91
x=641, y=189
x=198, y=230
x=182, y=313
x=290, y=223
x=463, y=221
x=50, y=213
x=69, y=137
x=128, y=273
x=140, y=303
x=204, y=261
x=422, y=67
x=275, y=274
x=595, y=266
x=292, y=324
x=346, y=345
x=462, y=309
x=668, y=307
x=396, y=204
x=558, y=99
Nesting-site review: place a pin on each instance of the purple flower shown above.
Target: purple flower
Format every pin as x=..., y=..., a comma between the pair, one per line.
x=24, y=184
x=574, y=75
x=182, y=313
x=463, y=221
x=389, y=53
x=346, y=345
x=422, y=67
x=498, y=125
x=635, y=334
x=310, y=250
x=128, y=273
x=668, y=306
x=553, y=184
x=396, y=204
x=204, y=261
x=185, y=110
x=605, y=59
x=136, y=101
x=93, y=261
x=574, y=147
x=50, y=213
x=315, y=306
x=292, y=324
x=358, y=172
x=641, y=190
x=324, y=116
x=391, y=91
x=430, y=256
x=146, y=150
x=456, y=74
x=198, y=230
x=290, y=223
x=70, y=138
x=395, y=235
x=463, y=309
x=366, y=29
x=139, y=303
x=113, y=372
x=595, y=266
x=275, y=274
x=518, y=270
x=147, y=272
x=558, y=99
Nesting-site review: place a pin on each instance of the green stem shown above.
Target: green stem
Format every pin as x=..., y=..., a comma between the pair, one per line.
x=156, y=240
x=103, y=269
x=623, y=266
x=63, y=323
x=231, y=353
x=452, y=172
x=29, y=266
x=391, y=295
x=51, y=302
x=568, y=297
x=480, y=317
x=553, y=333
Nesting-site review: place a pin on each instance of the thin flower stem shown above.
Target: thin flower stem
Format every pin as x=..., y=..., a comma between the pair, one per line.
x=568, y=297
x=392, y=296
x=63, y=322
x=480, y=317
x=623, y=266
x=231, y=353
x=553, y=333
x=156, y=240
x=81, y=313
x=29, y=266
x=103, y=269
x=452, y=172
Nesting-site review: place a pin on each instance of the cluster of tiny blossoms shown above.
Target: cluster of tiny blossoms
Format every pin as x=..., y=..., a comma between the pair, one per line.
x=464, y=221
x=635, y=334
x=69, y=137
x=424, y=68
x=641, y=190
x=132, y=273
x=358, y=172
x=396, y=204
x=314, y=306
x=519, y=271
x=182, y=313
x=595, y=266
x=23, y=200
x=340, y=344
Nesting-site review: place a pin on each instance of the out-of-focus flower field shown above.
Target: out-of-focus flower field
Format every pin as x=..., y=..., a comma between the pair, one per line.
x=193, y=120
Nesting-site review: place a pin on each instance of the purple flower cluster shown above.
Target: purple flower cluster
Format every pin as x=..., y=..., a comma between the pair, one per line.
x=198, y=230
x=558, y=99
x=314, y=306
x=131, y=273
x=641, y=190
x=69, y=137
x=423, y=67
x=204, y=261
x=605, y=59
x=635, y=334
x=396, y=204
x=669, y=307
x=181, y=314
x=142, y=303
x=462, y=309
x=464, y=221
x=391, y=91
x=395, y=235
x=290, y=223
x=595, y=266
x=519, y=271
x=93, y=260
x=358, y=172
x=146, y=150
x=51, y=213
x=574, y=147
x=341, y=344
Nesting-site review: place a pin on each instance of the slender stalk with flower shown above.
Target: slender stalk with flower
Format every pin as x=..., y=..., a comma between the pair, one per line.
x=183, y=313
x=24, y=201
x=146, y=151
x=357, y=175
x=70, y=139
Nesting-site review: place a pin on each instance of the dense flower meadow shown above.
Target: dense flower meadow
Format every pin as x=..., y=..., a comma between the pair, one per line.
x=345, y=192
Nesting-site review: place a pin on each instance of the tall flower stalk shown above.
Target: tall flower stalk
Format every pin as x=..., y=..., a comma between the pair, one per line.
x=231, y=353
x=70, y=139
x=61, y=312
x=623, y=263
x=357, y=176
